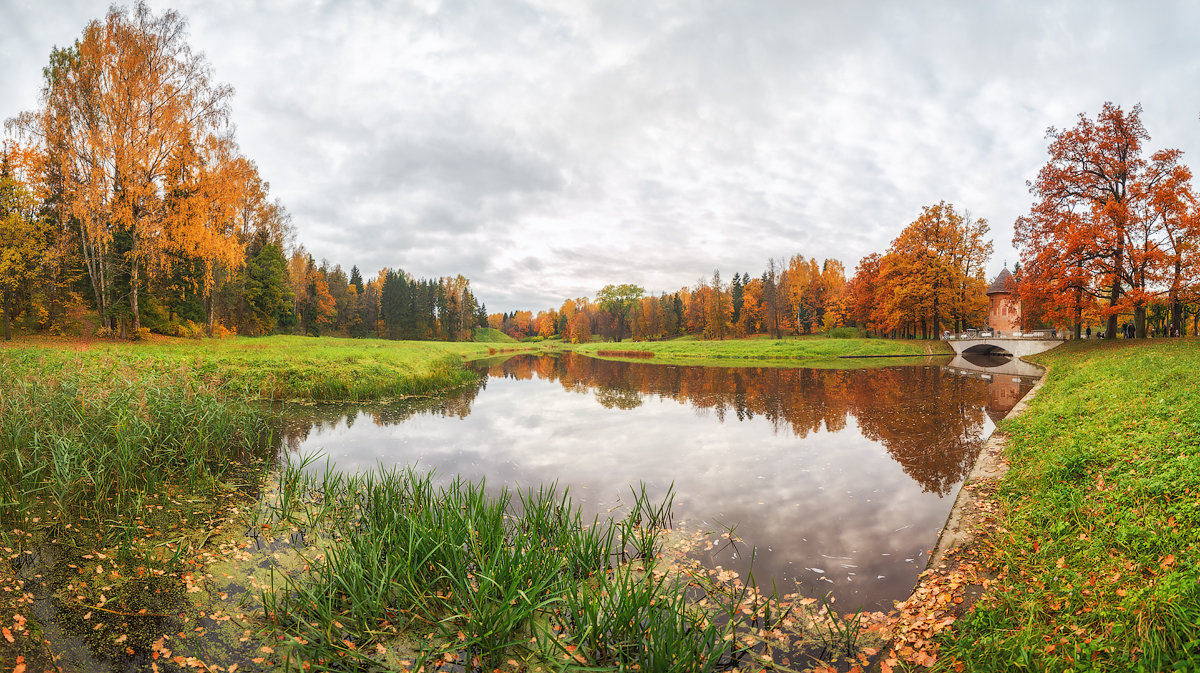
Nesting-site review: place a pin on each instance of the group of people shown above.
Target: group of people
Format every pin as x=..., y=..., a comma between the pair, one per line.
x=1129, y=331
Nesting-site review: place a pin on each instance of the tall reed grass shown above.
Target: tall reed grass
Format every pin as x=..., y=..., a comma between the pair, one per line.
x=484, y=579
x=102, y=439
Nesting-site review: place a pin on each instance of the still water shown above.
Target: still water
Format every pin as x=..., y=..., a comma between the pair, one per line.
x=840, y=480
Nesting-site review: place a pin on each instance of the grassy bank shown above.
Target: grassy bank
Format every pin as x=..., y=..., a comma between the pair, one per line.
x=102, y=436
x=1095, y=551
x=762, y=349
x=100, y=427
x=129, y=459
x=124, y=470
x=282, y=367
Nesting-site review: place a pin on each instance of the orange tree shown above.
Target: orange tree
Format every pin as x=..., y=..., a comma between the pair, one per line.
x=1108, y=224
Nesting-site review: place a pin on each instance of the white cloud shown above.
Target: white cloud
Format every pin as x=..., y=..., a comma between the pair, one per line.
x=545, y=149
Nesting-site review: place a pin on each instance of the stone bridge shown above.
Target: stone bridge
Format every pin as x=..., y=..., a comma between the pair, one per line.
x=1017, y=344
x=986, y=365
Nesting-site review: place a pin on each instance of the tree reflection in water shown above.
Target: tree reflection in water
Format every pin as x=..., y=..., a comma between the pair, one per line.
x=930, y=423
x=839, y=478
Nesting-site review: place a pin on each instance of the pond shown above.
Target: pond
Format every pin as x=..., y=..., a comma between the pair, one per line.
x=838, y=479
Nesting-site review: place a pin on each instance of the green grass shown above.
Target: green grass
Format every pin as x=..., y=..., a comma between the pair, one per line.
x=133, y=452
x=101, y=436
x=105, y=460
x=491, y=335
x=1097, y=557
x=100, y=427
x=815, y=347
x=414, y=572
x=293, y=367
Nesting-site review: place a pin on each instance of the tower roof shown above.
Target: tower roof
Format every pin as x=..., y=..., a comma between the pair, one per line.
x=1004, y=283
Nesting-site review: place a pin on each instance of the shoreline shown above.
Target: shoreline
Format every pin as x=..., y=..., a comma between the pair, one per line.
x=989, y=465
x=953, y=579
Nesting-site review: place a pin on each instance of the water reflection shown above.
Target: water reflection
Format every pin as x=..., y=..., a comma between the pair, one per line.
x=838, y=477
x=1008, y=379
x=931, y=424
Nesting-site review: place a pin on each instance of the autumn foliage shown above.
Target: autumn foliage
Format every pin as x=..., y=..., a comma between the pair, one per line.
x=125, y=190
x=1112, y=230
x=931, y=278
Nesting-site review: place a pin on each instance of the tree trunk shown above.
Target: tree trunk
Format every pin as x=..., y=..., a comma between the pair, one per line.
x=133, y=298
x=1078, y=311
x=7, y=328
x=1115, y=292
x=1139, y=322
x=94, y=262
x=210, y=312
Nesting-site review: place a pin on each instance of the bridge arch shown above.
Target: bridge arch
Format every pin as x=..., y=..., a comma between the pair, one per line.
x=987, y=349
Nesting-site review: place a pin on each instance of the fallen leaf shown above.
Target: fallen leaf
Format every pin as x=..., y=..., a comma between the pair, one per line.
x=7, y=634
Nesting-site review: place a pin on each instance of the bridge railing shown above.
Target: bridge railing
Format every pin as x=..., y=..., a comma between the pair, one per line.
x=1003, y=334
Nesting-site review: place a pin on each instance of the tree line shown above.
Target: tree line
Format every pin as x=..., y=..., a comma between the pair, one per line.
x=125, y=192
x=930, y=278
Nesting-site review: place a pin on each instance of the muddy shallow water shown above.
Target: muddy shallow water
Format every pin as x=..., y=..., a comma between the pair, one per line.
x=838, y=479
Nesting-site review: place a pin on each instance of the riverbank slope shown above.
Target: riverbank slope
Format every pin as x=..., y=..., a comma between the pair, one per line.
x=1087, y=555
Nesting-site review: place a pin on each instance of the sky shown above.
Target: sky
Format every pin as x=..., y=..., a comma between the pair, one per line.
x=547, y=148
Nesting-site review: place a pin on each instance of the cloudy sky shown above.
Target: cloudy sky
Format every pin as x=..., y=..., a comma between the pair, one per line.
x=545, y=148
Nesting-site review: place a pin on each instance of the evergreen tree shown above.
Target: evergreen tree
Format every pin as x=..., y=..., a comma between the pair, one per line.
x=267, y=291
x=735, y=293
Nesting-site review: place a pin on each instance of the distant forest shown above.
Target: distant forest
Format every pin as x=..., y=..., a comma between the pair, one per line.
x=930, y=277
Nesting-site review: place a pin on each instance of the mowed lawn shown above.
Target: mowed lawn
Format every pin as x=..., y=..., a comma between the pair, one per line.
x=765, y=348
x=276, y=367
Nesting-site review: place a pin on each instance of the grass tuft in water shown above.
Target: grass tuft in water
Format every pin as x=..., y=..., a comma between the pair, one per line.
x=410, y=570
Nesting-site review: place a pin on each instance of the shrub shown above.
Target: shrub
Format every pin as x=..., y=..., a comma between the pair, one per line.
x=187, y=329
x=846, y=333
